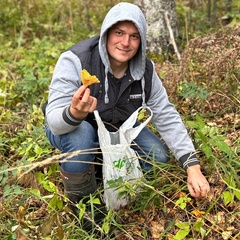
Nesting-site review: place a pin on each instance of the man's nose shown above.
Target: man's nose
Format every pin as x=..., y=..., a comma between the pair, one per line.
x=126, y=40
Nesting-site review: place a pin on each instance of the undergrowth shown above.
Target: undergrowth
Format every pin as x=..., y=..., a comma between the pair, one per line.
x=204, y=87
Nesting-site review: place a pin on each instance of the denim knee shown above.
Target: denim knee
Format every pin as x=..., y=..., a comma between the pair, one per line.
x=150, y=148
x=158, y=153
x=83, y=138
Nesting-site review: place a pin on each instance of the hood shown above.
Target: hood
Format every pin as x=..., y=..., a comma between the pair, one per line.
x=125, y=12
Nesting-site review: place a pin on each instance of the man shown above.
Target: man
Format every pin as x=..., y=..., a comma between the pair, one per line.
x=127, y=81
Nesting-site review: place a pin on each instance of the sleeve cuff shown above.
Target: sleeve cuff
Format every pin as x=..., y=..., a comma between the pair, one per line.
x=69, y=118
x=188, y=160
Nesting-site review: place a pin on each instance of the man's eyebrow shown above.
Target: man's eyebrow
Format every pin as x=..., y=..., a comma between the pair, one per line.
x=118, y=28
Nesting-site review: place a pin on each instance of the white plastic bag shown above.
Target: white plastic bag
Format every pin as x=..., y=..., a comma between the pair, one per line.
x=120, y=161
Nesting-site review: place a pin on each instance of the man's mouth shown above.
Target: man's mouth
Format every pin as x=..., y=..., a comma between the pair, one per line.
x=124, y=50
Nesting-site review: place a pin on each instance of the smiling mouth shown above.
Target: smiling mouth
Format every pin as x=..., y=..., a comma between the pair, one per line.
x=124, y=50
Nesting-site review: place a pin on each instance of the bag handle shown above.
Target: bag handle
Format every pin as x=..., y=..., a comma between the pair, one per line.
x=98, y=119
x=127, y=127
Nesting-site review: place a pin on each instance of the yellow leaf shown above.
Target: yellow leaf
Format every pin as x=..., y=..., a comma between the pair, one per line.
x=21, y=212
x=198, y=213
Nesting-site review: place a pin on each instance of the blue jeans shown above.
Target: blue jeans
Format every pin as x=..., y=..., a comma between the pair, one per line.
x=148, y=146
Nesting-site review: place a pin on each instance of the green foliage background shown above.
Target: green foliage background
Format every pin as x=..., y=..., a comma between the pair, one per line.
x=33, y=34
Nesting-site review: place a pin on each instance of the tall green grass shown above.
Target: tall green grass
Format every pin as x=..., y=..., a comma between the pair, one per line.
x=32, y=201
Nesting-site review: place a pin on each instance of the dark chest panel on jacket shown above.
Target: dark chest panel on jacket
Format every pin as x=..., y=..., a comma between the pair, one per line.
x=125, y=96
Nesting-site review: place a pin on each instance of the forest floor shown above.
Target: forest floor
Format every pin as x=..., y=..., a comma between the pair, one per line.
x=205, y=83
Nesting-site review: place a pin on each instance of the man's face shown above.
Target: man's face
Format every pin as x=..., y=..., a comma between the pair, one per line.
x=123, y=42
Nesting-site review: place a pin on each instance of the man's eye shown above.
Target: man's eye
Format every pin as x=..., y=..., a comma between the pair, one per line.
x=135, y=37
x=118, y=33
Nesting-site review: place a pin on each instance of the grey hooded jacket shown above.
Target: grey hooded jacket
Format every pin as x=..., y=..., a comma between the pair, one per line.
x=66, y=80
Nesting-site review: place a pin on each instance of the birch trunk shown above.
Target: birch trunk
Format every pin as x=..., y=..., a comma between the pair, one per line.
x=158, y=35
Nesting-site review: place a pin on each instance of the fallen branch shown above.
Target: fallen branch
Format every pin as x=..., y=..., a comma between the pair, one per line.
x=172, y=40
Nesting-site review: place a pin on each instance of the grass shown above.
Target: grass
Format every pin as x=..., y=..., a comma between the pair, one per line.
x=205, y=89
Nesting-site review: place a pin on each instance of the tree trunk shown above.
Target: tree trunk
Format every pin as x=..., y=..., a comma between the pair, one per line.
x=214, y=13
x=209, y=7
x=158, y=34
x=229, y=6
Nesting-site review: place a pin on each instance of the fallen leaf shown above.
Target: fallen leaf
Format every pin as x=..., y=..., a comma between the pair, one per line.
x=226, y=234
x=156, y=229
x=198, y=213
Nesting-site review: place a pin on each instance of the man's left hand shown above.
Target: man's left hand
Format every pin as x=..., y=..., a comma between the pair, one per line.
x=197, y=184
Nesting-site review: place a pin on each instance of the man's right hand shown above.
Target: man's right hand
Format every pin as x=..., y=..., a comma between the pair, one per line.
x=82, y=103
